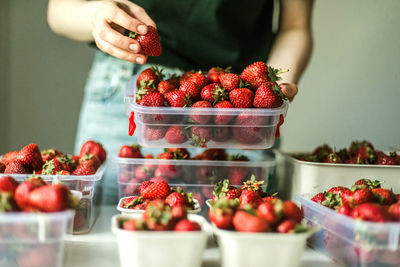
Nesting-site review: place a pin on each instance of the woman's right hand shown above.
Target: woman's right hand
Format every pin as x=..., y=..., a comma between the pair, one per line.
x=109, y=22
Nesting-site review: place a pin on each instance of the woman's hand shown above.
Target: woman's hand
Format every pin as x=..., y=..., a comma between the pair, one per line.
x=289, y=90
x=110, y=20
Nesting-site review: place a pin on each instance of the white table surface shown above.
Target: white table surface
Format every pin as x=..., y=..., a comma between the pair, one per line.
x=99, y=248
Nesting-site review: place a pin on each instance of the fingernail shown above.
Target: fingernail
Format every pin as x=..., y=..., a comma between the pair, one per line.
x=142, y=28
x=139, y=60
x=134, y=47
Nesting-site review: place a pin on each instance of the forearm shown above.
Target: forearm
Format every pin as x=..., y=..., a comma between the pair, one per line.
x=72, y=18
x=291, y=50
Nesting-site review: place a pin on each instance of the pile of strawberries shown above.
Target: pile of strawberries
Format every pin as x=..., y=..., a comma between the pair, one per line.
x=366, y=201
x=52, y=161
x=359, y=152
x=250, y=209
x=158, y=189
x=34, y=195
x=159, y=216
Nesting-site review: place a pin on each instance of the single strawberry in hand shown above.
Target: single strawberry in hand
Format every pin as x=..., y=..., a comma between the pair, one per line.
x=177, y=98
x=150, y=44
x=95, y=148
x=268, y=95
x=175, y=135
x=30, y=156
x=132, y=151
x=153, y=75
x=200, y=119
x=241, y=98
x=157, y=190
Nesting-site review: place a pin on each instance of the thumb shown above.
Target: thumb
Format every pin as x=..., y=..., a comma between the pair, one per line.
x=289, y=90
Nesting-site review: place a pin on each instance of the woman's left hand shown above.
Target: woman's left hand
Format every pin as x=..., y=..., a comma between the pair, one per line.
x=289, y=90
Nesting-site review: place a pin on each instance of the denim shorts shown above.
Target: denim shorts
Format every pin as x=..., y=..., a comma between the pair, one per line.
x=103, y=116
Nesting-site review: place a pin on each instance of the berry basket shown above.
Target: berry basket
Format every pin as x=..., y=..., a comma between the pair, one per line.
x=351, y=242
x=86, y=212
x=300, y=177
x=33, y=239
x=197, y=176
x=250, y=128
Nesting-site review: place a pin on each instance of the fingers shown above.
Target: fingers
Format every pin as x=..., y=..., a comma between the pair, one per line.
x=141, y=14
x=119, y=16
x=290, y=90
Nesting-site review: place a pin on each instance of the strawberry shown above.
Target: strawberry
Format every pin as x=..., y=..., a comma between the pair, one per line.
x=178, y=213
x=191, y=89
x=221, y=134
x=165, y=87
x=8, y=184
x=92, y=147
x=322, y=152
x=175, y=135
x=153, y=133
x=178, y=153
x=267, y=211
x=155, y=99
x=174, y=79
x=383, y=159
x=200, y=136
x=230, y=81
x=237, y=174
x=16, y=167
x=143, y=172
x=241, y=97
x=223, y=119
x=356, y=145
x=59, y=163
x=134, y=225
x=291, y=211
x=223, y=190
x=30, y=156
x=250, y=197
x=200, y=119
x=344, y=209
x=177, y=98
x=145, y=90
x=288, y=226
x=50, y=198
x=63, y=172
x=76, y=158
x=394, y=211
x=186, y=76
x=221, y=213
x=370, y=212
x=8, y=157
x=180, y=198
x=319, y=198
x=91, y=160
x=157, y=190
x=384, y=196
x=132, y=151
x=213, y=93
x=268, y=95
x=7, y=202
x=143, y=186
x=252, y=184
x=360, y=195
x=342, y=191
x=68, y=164
x=2, y=167
x=214, y=154
x=199, y=79
x=49, y=154
x=328, y=199
x=369, y=183
x=248, y=221
x=166, y=155
x=252, y=130
x=186, y=225
x=255, y=74
x=131, y=202
x=214, y=73
x=150, y=44
x=84, y=170
x=158, y=216
x=150, y=74
x=25, y=188
x=148, y=156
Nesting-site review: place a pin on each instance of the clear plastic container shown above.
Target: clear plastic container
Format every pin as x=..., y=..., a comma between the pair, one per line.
x=87, y=210
x=300, y=177
x=33, y=239
x=260, y=249
x=160, y=248
x=125, y=211
x=351, y=242
x=197, y=176
x=250, y=128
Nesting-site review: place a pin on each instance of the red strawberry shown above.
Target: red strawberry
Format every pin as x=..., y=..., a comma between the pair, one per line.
x=200, y=119
x=342, y=191
x=63, y=172
x=213, y=93
x=356, y=145
x=369, y=183
x=178, y=153
x=16, y=167
x=145, y=90
x=50, y=198
x=57, y=164
x=230, y=81
x=177, y=199
x=76, y=158
x=165, y=155
x=222, y=134
x=30, y=156
x=9, y=156
x=286, y=226
x=221, y=213
x=223, y=119
x=25, y=188
x=291, y=211
x=248, y=221
x=150, y=44
x=84, y=170
x=191, y=89
x=178, y=213
x=8, y=184
x=148, y=156
x=186, y=76
x=131, y=202
x=92, y=147
x=165, y=87
x=199, y=79
x=214, y=154
x=155, y=99
x=214, y=73
x=2, y=167
x=268, y=95
x=143, y=172
x=174, y=79
x=383, y=159
x=150, y=74
x=143, y=186
x=250, y=197
x=394, y=211
x=319, y=198
x=255, y=74
x=158, y=216
x=132, y=151
x=344, y=209
x=90, y=159
x=251, y=130
x=175, y=135
x=267, y=211
x=333, y=158
x=384, y=196
x=200, y=136
x=67, y=163
x=134, y=225
x=157, y=190
x=153, y=133
x=223, y=190
x=177, y=98
x=237, y=174
x=49, y=154
x=322, y=152
x=370, y=212
x=360, y=196
x=186, y=225
x=241, y=97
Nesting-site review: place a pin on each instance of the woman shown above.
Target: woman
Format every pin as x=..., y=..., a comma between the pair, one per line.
x=194, y=35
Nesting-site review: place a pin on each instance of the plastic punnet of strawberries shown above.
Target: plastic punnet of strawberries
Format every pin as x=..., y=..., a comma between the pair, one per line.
x=52, y=161
x=365, y=201
x=158, y=189
x=359, y=152
x=250, y=209
x=160, y=216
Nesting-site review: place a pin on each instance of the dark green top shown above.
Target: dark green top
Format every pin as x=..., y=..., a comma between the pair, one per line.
x=204, y=33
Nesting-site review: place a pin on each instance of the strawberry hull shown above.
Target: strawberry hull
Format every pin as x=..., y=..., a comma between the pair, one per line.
x=351, y=242
x=203, y=126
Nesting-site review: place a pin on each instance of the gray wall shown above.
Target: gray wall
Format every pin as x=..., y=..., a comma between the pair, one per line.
x=350, y=90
